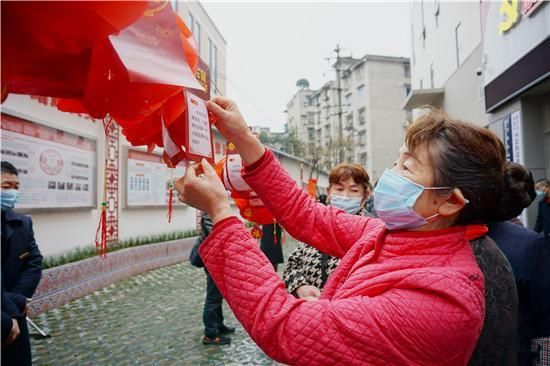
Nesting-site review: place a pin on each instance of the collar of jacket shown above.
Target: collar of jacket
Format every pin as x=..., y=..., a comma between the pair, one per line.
x=429, y=242
x=9, y=216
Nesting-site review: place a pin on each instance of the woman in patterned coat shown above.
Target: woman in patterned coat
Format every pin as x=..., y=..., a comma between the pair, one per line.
x=308, y=269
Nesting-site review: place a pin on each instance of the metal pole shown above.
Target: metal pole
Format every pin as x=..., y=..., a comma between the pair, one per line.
x=42, y=333
x=339, y=91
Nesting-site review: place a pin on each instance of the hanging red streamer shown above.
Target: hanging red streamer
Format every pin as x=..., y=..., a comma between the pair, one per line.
x=170, y=208
x=101, y=232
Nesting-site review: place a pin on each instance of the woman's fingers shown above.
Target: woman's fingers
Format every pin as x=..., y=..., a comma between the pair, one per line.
x=208, y=169
x=222, y=102
x=215, y=108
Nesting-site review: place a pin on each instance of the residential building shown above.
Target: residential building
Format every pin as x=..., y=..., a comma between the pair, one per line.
x=496, y=76
x=368, y=115
x=300, y=114
x=374, y=89
x=446, y=54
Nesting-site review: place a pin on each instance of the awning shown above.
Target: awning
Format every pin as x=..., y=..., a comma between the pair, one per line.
x=424, y=97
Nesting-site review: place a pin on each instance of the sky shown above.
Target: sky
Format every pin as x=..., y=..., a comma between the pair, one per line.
x=270, y=45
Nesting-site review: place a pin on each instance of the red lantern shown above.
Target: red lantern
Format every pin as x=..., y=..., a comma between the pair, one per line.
x=250, y=206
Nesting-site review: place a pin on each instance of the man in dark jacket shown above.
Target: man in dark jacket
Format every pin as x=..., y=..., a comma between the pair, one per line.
x=271, y=245
x=543, y=216
x=215, y=331
x=529, y=255
x=21, y=271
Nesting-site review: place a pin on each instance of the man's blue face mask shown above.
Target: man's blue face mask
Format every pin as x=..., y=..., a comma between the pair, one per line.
x=9, y=198
x=394, y=199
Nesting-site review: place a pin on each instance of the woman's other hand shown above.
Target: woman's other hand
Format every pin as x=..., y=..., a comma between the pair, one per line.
x=232, y=126
x=204, y=191
x=14, y=332
x=308, y=292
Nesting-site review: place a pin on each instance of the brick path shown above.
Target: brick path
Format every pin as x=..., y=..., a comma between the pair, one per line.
x=151, y=319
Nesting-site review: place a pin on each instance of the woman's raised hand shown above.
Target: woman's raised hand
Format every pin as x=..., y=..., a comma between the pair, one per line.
x=204, y=191
x=230, y=121
x=232, y=126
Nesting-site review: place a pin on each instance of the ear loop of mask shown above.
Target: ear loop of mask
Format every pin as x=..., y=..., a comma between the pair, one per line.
x=466, y=201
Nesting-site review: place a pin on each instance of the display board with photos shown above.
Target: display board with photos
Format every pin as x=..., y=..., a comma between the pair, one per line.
x=148, y=179
x=57, y=169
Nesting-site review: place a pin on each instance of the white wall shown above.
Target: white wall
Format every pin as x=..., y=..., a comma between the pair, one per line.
x=58, y=230
x=385, y=118
x=440, y=43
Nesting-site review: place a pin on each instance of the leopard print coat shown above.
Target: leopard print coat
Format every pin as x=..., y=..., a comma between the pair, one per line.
x=308, y=266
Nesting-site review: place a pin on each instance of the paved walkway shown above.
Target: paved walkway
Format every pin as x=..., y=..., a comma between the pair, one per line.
x=150, y=319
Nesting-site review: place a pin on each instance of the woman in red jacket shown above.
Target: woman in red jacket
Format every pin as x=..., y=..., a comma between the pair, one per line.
x=408, y=290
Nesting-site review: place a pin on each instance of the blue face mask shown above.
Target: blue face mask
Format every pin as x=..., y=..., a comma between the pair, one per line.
x=351, y=205
x=9, y=198
x=394, y=199
x=540, y=194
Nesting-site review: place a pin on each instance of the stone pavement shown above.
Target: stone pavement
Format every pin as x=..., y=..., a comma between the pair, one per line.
x=150, y=319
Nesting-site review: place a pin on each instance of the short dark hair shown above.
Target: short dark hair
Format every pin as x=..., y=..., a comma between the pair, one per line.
x=9, y=168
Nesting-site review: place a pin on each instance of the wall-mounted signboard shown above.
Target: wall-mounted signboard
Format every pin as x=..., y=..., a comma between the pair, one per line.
x=57, y=169
x=148, y=179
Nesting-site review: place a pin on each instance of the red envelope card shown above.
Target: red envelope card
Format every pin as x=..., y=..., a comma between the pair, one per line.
x=199, y=143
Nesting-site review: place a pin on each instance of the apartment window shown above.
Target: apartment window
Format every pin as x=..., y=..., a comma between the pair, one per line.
x=421, y=84
x=310, y=118
x=459, y=40
x=310, y=134
x=309, y=101
x=215, y=74
x=346, y=82
x=361, y=93
x=436, y=12
x=197, y=34
x=349, y=121
x=432, y=83
x=349, y=100
x=361, y=117
x=362, y=138
x=407, y=69
x=359, y=73
x=412, y=43
x=423, y=37
x=210, y=53
x=423, y=34
x=363, y=158
x=407, y=89
x=174, y=4
x=190, y=22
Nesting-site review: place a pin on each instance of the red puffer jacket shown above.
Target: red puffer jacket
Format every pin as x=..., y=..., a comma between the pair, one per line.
x=397, y=298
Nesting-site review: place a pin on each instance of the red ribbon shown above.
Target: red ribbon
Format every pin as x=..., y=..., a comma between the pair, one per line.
x=101, y=232
x=170, y=196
